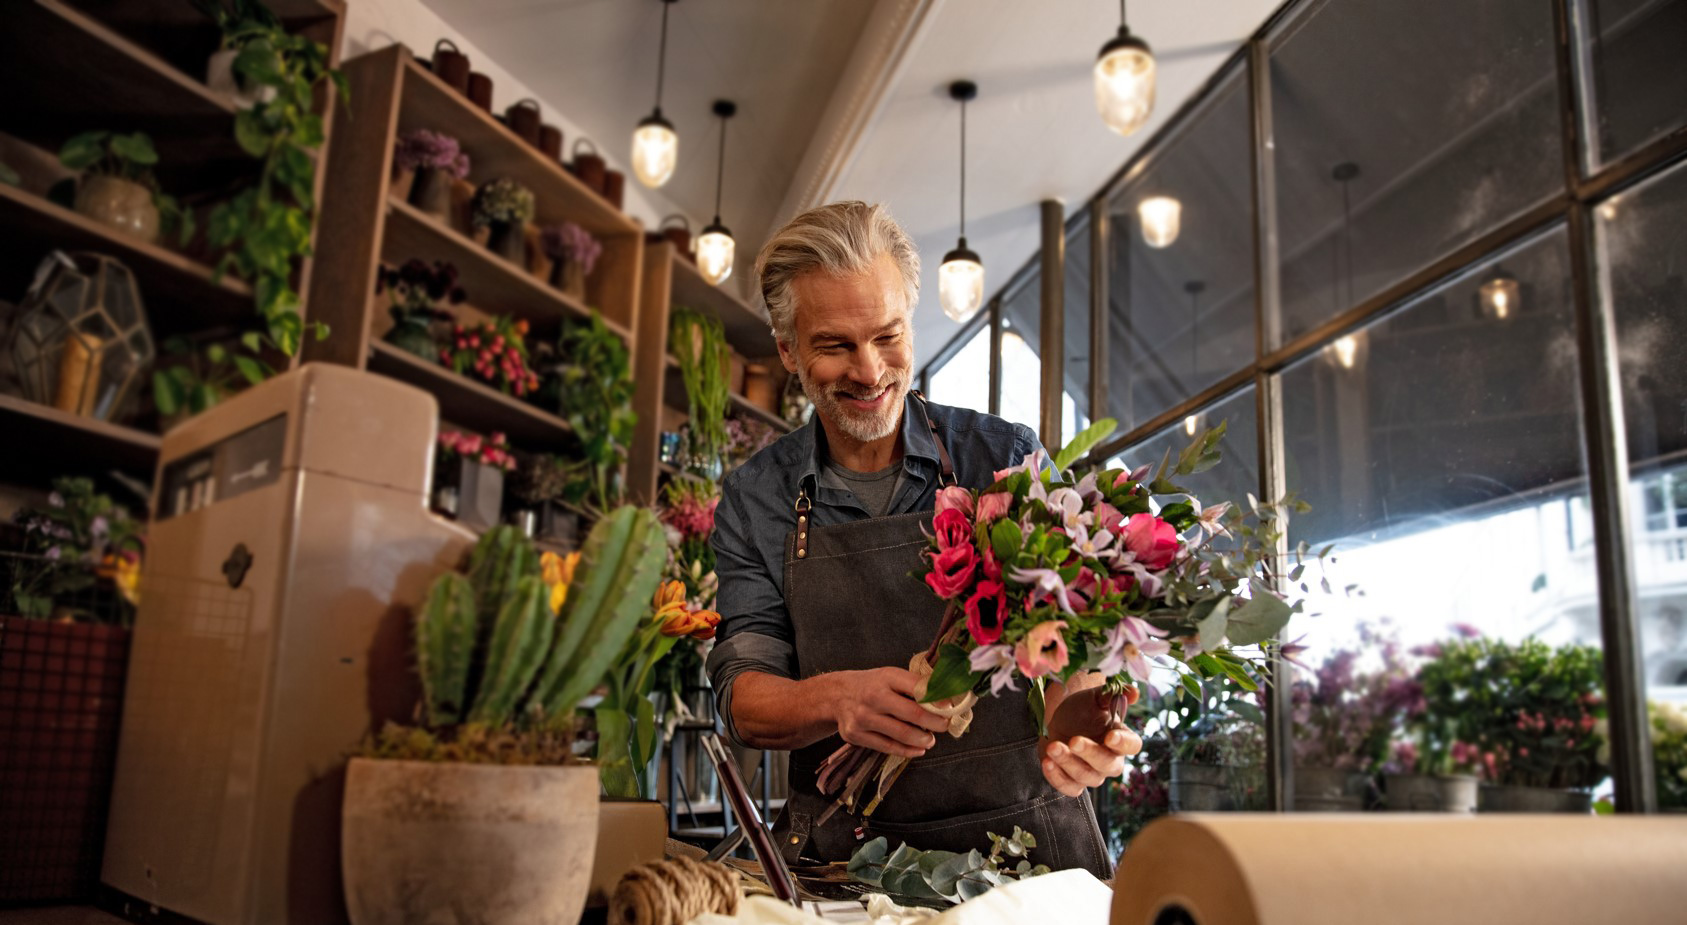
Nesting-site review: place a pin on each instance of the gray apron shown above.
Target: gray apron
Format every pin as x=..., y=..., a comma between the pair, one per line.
x=855, y=604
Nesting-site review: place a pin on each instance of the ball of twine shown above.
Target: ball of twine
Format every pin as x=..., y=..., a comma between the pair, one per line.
x=673, y=892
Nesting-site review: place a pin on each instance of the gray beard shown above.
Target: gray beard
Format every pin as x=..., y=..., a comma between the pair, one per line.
x=865, y=428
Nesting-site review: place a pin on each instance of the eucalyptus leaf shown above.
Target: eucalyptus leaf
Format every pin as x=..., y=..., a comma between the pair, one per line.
x=1261, y=617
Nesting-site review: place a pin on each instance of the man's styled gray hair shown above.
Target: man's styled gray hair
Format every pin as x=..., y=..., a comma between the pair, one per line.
x=838, y=238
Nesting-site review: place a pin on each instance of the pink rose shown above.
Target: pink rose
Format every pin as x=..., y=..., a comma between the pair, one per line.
x=956, y=498
x=984, y=612
x=993, y=506
x=952, y=570
x=952, y=528
x=1043, y=650
x=1151, y=540
x=1108, y=518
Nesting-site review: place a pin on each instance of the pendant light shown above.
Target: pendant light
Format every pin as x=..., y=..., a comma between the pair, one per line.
x=1162, y=219
x=715, y=247
x=655, y=145
x=1124, y=80
x=960, y=280
x=1500, y=296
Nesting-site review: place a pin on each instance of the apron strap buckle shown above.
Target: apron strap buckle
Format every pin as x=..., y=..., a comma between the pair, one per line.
x=802, y=507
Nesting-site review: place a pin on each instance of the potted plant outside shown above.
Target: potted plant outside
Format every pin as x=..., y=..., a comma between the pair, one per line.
x=504, y=207
x=414, y=292
x=427, y=165
x=483, y=805
x=67, y=598
x=117, y=187
x=469, y=478
x=573, y=253
x=1344, y=719
x=1667, y=723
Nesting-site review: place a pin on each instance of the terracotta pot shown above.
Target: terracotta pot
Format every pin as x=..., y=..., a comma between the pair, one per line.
x=550, y=141
x=523, y=119
x=120, y=203
x=451, y=66
x=424, y=841
x=220, y=79
x=570, y=277
x=508, y=241
x=480, y=90
x=614, y=187
x=589, y=167
x=403, y=183
x=431, y=192
x=61, y=693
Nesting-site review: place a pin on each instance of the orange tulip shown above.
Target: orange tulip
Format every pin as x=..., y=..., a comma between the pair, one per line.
x=558, y=573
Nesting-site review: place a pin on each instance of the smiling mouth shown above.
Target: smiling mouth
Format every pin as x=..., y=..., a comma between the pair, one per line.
x=868, y=402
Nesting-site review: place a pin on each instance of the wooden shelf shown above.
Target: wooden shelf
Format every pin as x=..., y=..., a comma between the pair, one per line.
x=674, y=396
x=179, y=293
x=492, y=283
x=466, y=402
x=71, y=73
x=178, y=14
x=50, y=442
x=744, y=408
x=495, y=151
x=746, y=329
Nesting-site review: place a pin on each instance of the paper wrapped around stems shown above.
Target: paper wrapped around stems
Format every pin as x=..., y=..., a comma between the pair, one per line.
x=1270, y=869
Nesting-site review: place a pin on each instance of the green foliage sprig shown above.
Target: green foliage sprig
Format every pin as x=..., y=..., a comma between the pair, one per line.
x=593, y=391
x=201, y=378
x=267, y=227
x=699, y=341
x=126, y=157
x=940, y=878
x=80, y=533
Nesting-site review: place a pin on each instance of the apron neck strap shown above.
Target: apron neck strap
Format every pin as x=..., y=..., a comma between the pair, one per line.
x=947, y=464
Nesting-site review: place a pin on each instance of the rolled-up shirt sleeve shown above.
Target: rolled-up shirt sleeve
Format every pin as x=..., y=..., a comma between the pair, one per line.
x=755, y=630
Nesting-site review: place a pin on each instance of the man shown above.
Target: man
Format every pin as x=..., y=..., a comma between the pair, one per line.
x=815, y=539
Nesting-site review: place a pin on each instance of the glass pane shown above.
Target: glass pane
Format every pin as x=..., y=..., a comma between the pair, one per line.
x=1403, y=130
x=1440, y=450
x=1632, y=50
x=1208, y=756
x=1022, y=386
x=1181, y=313
x=1077, y=325
x=1643, y=258
x=964, y=381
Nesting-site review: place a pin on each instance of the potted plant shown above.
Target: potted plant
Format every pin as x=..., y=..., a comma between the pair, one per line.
x=505, y=207
x=494, y=352
x=573, y=253
x=67, y=597
x=1344, y=720
x=117, y=186
x=415, y=292
x=202, y=377
x=483, y=804
x=699, y=342
x=1532, y=712
x=241, y=22
x=591, y=386
x=1431, y=769
x=1215, y=744
x=541, y=483
x=469, y=477
x=1668, y=725
x=264, y=230
x=428, y=164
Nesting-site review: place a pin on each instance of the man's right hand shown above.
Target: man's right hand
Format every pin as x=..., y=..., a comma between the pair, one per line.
x=875, y=708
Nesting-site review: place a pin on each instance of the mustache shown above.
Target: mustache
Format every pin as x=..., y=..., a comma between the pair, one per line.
x=888, y=380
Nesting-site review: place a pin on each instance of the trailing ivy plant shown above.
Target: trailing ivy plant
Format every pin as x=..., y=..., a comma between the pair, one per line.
x=699, y=342
x=266, y=227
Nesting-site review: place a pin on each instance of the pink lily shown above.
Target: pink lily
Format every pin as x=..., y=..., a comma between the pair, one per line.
x=1046, y=581
x=998, y=661
x=1211, y=520
x=1130, y=645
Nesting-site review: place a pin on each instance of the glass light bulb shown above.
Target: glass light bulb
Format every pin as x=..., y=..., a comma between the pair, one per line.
x=1191, y=424
x=655, y=154
x=1162, y=219
x=1347, y=351
x=1124, y=88
x=715, y=251
x=960, y=287
x=1500, y=296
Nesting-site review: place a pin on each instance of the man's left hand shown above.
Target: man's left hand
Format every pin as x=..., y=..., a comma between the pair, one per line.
x=1080, y=763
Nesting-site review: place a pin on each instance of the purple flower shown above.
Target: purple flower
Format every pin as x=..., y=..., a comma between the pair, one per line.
x=55, y=499
x=998, y=661
x=569, y=243
x=99, y=529
x=1466, y=630
x=1046, y=581
x=1130, y=645
x=432, y=150
x=53, y=553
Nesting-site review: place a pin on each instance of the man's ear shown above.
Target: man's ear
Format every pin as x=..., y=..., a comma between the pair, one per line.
x=786, y=356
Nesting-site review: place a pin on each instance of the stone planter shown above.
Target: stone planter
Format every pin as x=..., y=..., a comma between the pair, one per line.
x=1497, y=799
x=569, y=276
x=1430, y=793
x=220, y=79
x=1328, y=790
x=122, y=204
x=1200, y=788
x=440, y=842
x=509, y=241
x=413, y=334
x=432, y=191
x=472, y=493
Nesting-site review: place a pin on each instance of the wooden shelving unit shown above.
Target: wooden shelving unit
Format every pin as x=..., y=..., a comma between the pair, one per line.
x=469, y=404
x=126, y=66
x=671, y=280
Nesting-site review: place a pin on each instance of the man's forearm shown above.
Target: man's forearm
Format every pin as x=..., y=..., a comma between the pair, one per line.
x=779, y=713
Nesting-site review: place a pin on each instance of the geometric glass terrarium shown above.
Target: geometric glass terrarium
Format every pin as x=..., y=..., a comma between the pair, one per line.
x=81, y=342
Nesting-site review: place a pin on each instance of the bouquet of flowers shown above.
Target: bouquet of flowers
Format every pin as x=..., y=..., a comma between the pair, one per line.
x=568, y=243
x=426, y=150
x=1046, y=578
x=494, y=351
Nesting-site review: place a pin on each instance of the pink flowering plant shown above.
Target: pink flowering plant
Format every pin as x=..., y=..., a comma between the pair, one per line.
x=1113, y=573
x=493, y=451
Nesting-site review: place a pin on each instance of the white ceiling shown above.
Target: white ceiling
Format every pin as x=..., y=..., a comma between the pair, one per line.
x=848, y=99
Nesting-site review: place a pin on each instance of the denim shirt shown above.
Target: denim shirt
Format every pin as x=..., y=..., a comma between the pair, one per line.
x=757, y=512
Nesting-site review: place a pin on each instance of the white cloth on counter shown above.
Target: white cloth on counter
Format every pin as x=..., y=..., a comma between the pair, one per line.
x=1072, y=896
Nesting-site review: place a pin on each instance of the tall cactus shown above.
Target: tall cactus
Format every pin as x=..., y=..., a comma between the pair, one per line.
x=501, y=558
x=445, y=639
x=520, y=642
x=619, y=570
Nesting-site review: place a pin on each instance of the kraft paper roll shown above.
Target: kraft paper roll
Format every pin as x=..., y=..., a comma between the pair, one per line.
x=1258, y=869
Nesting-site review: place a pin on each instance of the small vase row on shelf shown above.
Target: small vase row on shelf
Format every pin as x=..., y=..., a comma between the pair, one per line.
x=526, y=119
x=431, y=171
x=481, y=482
